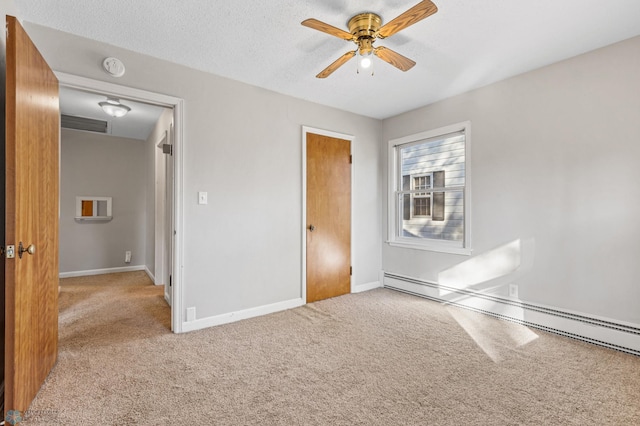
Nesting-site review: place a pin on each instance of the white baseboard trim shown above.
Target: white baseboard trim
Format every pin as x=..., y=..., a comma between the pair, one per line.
x=199, y=324
x=167, y=299
x=150, y=275
x=365, y=287
x=101, y=271
x=606, y=332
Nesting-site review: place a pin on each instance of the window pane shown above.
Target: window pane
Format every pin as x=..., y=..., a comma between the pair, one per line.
x=429, y=190
x=450, y=227
x=421, y=182
x=435, y=156
x=422, y=206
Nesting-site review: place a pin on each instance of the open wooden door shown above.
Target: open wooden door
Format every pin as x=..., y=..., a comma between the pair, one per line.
x=31, y=221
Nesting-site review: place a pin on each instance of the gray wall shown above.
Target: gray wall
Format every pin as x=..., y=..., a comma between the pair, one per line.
x=106, y=166
x=241, y=142
x=7, y=7
x=555, y=170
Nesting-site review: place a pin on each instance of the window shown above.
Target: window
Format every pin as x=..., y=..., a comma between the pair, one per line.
x=429, y=190
x=421, y=200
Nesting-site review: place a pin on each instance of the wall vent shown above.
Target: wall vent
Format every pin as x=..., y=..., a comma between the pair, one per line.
x=82, y=123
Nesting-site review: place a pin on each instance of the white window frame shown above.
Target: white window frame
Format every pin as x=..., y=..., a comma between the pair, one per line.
x=394, y=237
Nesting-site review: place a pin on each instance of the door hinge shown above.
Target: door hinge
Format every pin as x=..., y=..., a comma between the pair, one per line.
x=350, y=159
x=167, y=149
x=9, y=251
x=350, y=270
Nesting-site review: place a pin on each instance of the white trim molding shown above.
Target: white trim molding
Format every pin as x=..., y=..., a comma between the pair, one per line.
x=103, y=271
x=331, y=134
x=365, y=287
x=605, y=332
x=230, y=317
x=150, y=274
x=88, y=84
x=394, y=234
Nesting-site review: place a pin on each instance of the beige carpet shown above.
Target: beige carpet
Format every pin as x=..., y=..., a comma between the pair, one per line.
x=375, y=358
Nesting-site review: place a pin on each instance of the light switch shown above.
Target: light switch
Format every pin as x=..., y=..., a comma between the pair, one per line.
x=202, y=198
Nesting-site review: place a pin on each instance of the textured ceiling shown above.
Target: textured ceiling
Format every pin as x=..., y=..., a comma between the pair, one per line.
x=137, y=124
x=467, y=44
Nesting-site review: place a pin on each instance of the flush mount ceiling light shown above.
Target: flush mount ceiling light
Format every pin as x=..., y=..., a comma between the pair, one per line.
x=114, y=108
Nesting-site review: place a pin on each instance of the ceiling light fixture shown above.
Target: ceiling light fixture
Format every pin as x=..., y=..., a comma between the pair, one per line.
x=365, y=28
x=114, y=108
x=365, y=63
x=365, y=56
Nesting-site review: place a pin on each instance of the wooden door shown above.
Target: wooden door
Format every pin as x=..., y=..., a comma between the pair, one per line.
x=31, y=218
x=328, y=217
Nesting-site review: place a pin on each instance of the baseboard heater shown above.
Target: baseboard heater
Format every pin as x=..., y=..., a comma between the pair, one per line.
x=603, y=332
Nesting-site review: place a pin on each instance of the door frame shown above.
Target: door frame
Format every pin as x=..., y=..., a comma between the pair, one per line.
x=163, y=220
x=160, y=227
x=331, y=134
x=177, y=104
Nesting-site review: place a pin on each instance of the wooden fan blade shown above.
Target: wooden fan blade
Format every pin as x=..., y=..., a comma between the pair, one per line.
x=337, y=64
x=417, y=13
x=397, y=60
x=326, y=28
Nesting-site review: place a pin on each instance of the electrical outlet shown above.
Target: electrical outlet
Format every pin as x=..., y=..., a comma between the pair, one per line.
x=127, y=257
x=513, y=290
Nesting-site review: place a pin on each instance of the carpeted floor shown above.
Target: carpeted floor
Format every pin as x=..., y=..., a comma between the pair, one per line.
x=374, y=358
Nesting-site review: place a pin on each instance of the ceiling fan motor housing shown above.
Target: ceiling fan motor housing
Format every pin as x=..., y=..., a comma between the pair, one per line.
x=365, y=27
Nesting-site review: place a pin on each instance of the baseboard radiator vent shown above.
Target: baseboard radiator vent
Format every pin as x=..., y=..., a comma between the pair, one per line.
x=607, y=333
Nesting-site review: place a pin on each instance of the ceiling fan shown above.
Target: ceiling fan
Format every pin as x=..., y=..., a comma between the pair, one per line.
x=365, y=28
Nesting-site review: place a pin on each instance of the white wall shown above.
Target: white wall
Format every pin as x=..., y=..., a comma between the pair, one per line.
x=555, y=160
x=7, y=7
x=106, y=166
x=243, y=146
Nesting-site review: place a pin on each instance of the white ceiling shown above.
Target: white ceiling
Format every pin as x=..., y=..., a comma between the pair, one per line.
x=467, y=44
x=137, y=124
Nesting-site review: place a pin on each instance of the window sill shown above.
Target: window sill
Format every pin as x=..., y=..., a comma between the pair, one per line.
x=441, y=247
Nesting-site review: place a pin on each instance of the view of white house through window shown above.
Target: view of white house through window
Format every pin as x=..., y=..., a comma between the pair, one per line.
x=429, y=181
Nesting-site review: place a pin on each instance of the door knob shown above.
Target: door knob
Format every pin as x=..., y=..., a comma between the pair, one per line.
x=312, y=228
x=31, y=249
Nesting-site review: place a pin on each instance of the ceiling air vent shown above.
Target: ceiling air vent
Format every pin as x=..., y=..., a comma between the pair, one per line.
x=82, y=123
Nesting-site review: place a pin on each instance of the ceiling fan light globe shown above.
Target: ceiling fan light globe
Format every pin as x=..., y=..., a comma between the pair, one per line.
x=365, y=62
